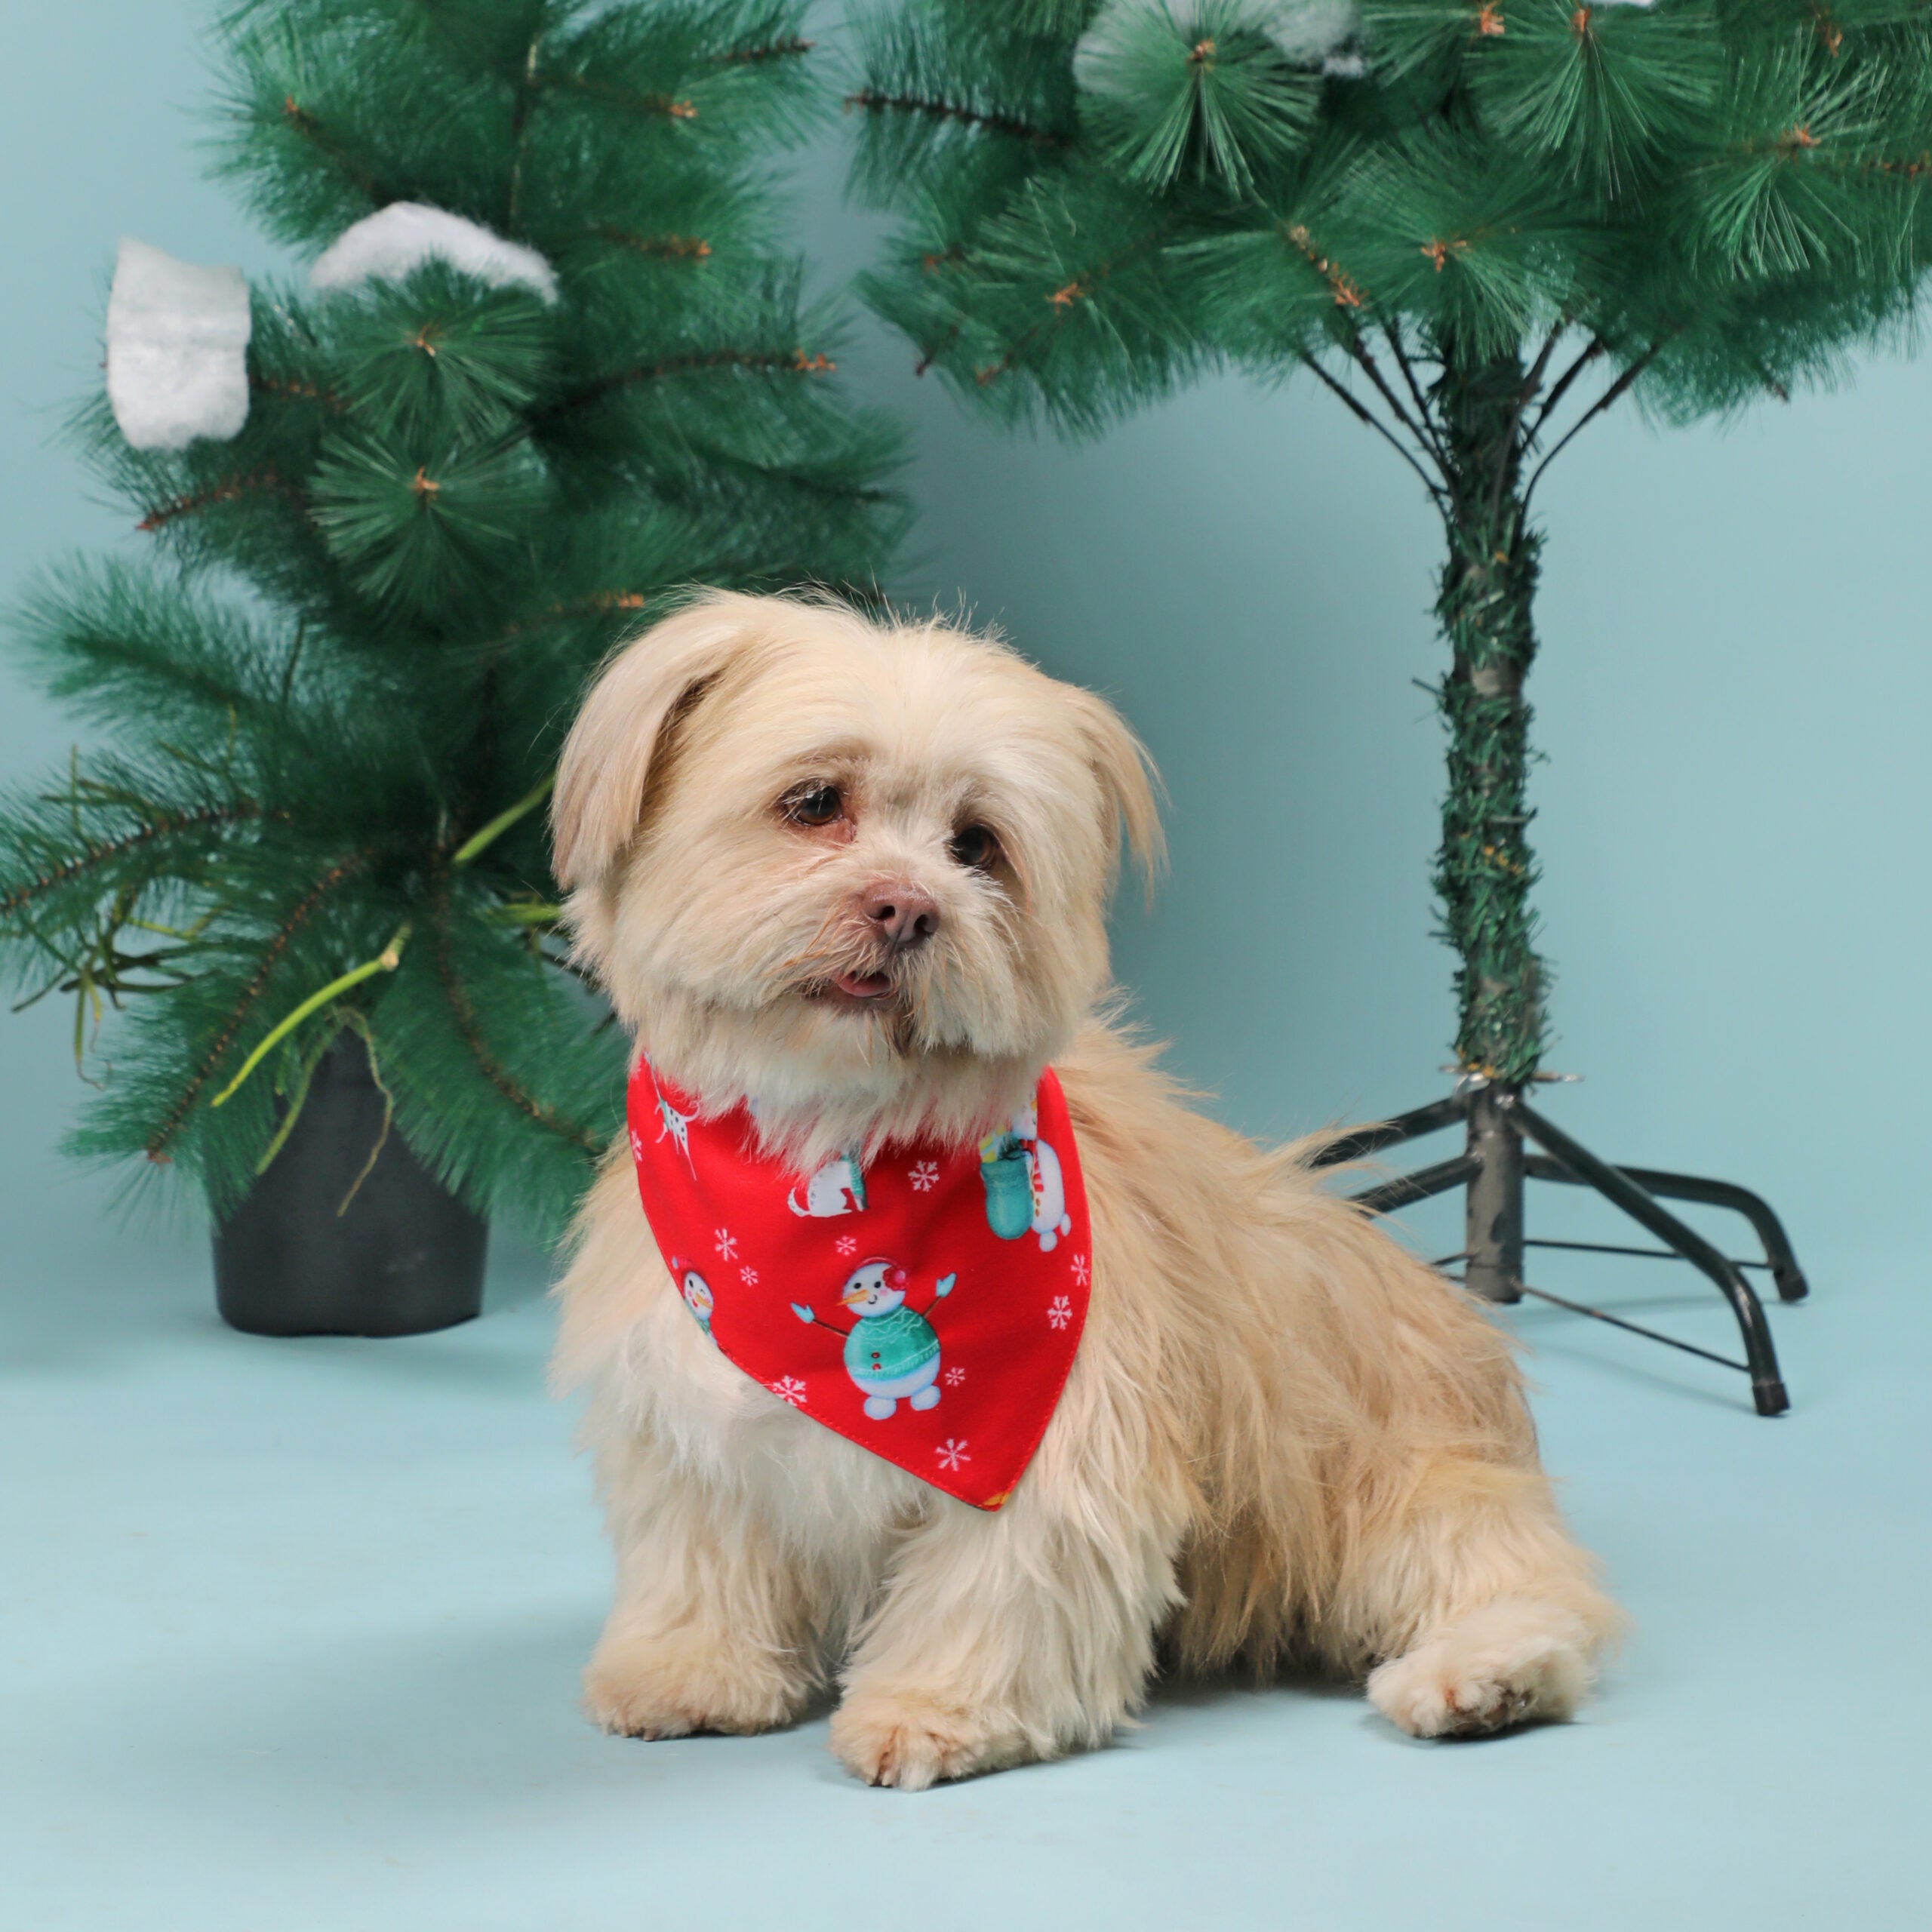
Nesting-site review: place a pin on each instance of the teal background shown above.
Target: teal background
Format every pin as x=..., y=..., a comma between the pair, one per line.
x=290, y=1632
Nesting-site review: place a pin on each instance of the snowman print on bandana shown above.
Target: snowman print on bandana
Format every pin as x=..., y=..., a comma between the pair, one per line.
x=838, y=1187
x=1025, y=1192
x=697, y=1292
x=892, y=1353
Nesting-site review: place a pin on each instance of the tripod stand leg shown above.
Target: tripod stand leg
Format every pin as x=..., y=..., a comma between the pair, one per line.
x=1410, y=1126
x=1623, y=1190
x=1792, y=1285
x=1405, y=1190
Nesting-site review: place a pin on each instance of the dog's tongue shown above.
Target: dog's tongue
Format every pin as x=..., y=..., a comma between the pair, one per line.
x=864, y=986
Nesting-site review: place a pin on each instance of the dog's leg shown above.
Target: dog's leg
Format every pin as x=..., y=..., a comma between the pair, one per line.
x=712, y=1628
x=1007, y=1637
x=1484, y=1608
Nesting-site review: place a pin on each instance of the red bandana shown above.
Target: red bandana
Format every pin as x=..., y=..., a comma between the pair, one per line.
x=926, y=1308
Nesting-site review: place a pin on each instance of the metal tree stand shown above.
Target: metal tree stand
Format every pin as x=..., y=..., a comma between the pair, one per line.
x=1494, y=1166
x=1470, y=425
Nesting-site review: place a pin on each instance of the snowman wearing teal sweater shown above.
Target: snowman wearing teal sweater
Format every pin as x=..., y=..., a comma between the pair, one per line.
x=891, y=1351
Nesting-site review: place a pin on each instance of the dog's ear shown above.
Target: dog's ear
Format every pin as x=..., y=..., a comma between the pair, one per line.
x=642, y=690
x=1129, y=782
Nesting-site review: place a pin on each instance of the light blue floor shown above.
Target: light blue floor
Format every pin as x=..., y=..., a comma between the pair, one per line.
x=289, y=1636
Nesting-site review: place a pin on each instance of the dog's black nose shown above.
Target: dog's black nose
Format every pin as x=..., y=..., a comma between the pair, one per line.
x=901, y=912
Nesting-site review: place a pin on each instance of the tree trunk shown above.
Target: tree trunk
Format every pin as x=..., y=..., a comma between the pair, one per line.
x=1484, y=869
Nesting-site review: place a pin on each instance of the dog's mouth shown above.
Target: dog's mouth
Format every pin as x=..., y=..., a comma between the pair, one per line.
x=853, y=991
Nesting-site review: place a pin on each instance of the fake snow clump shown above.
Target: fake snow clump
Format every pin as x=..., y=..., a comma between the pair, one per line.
x=391, y=242
x=177, y=349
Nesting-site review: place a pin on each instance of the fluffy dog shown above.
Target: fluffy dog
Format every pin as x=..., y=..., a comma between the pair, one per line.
x=1284, y=1442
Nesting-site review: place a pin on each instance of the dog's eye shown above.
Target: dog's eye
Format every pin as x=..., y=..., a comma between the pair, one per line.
x=815, y=805
x=975, y=848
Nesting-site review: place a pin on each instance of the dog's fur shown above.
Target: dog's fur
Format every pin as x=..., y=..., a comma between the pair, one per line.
x=1284, y=1442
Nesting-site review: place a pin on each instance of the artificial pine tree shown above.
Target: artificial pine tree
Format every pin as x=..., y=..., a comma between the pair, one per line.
x=1482, y=224
x=554, y=362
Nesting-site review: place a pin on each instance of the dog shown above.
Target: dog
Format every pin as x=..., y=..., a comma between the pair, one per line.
x=1285, y=1443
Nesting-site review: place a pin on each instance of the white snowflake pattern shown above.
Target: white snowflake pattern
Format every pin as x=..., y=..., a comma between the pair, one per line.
x=1059, y=1311
x=924, y=1176
x=846, y=1245
x=727, y=1243
x=748, y=1276
x=1080, y=1271
x=954, y=1377
x=952, y=1452
x=789, y=1389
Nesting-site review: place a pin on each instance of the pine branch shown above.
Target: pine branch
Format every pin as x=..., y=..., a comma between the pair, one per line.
x=1063, y=300
x=1393, y=332
x=672, y=247
x=306, y=392
x=660, y=106
x=1506, y=469
x=872, y=102
x=1358, y=350
x=1561, y=388
x=295, y=116
x=1343, y=286
x=164, y=826
x=597, y=604
x=794, y=362
x=776, y=50
x=303, y=911
x=1365, y=414
x=1589, y=416
x=491, y=1068
x=523, y=95
x=266, y=481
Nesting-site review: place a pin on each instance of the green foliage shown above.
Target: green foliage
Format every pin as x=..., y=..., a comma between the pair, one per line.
x=1481, y=223
x=363, y=623
x=1206, y=88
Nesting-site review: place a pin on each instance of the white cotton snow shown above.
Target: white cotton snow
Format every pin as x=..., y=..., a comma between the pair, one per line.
x=391, y=242
x=177, y=349
x=1310, y=30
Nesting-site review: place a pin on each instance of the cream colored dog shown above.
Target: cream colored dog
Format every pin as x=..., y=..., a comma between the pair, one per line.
x=862, y=870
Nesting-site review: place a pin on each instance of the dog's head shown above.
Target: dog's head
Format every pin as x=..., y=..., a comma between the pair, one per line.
x=859, y=871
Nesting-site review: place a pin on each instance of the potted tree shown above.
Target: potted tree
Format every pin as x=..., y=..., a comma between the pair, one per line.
x=547, y=364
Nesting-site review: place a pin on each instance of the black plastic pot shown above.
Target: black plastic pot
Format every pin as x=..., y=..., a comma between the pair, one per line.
x=405, y=1257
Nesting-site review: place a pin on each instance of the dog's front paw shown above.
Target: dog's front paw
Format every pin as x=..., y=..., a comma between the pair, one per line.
x=913, y=1741
x=670, y=1685
x=1516, y=1662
